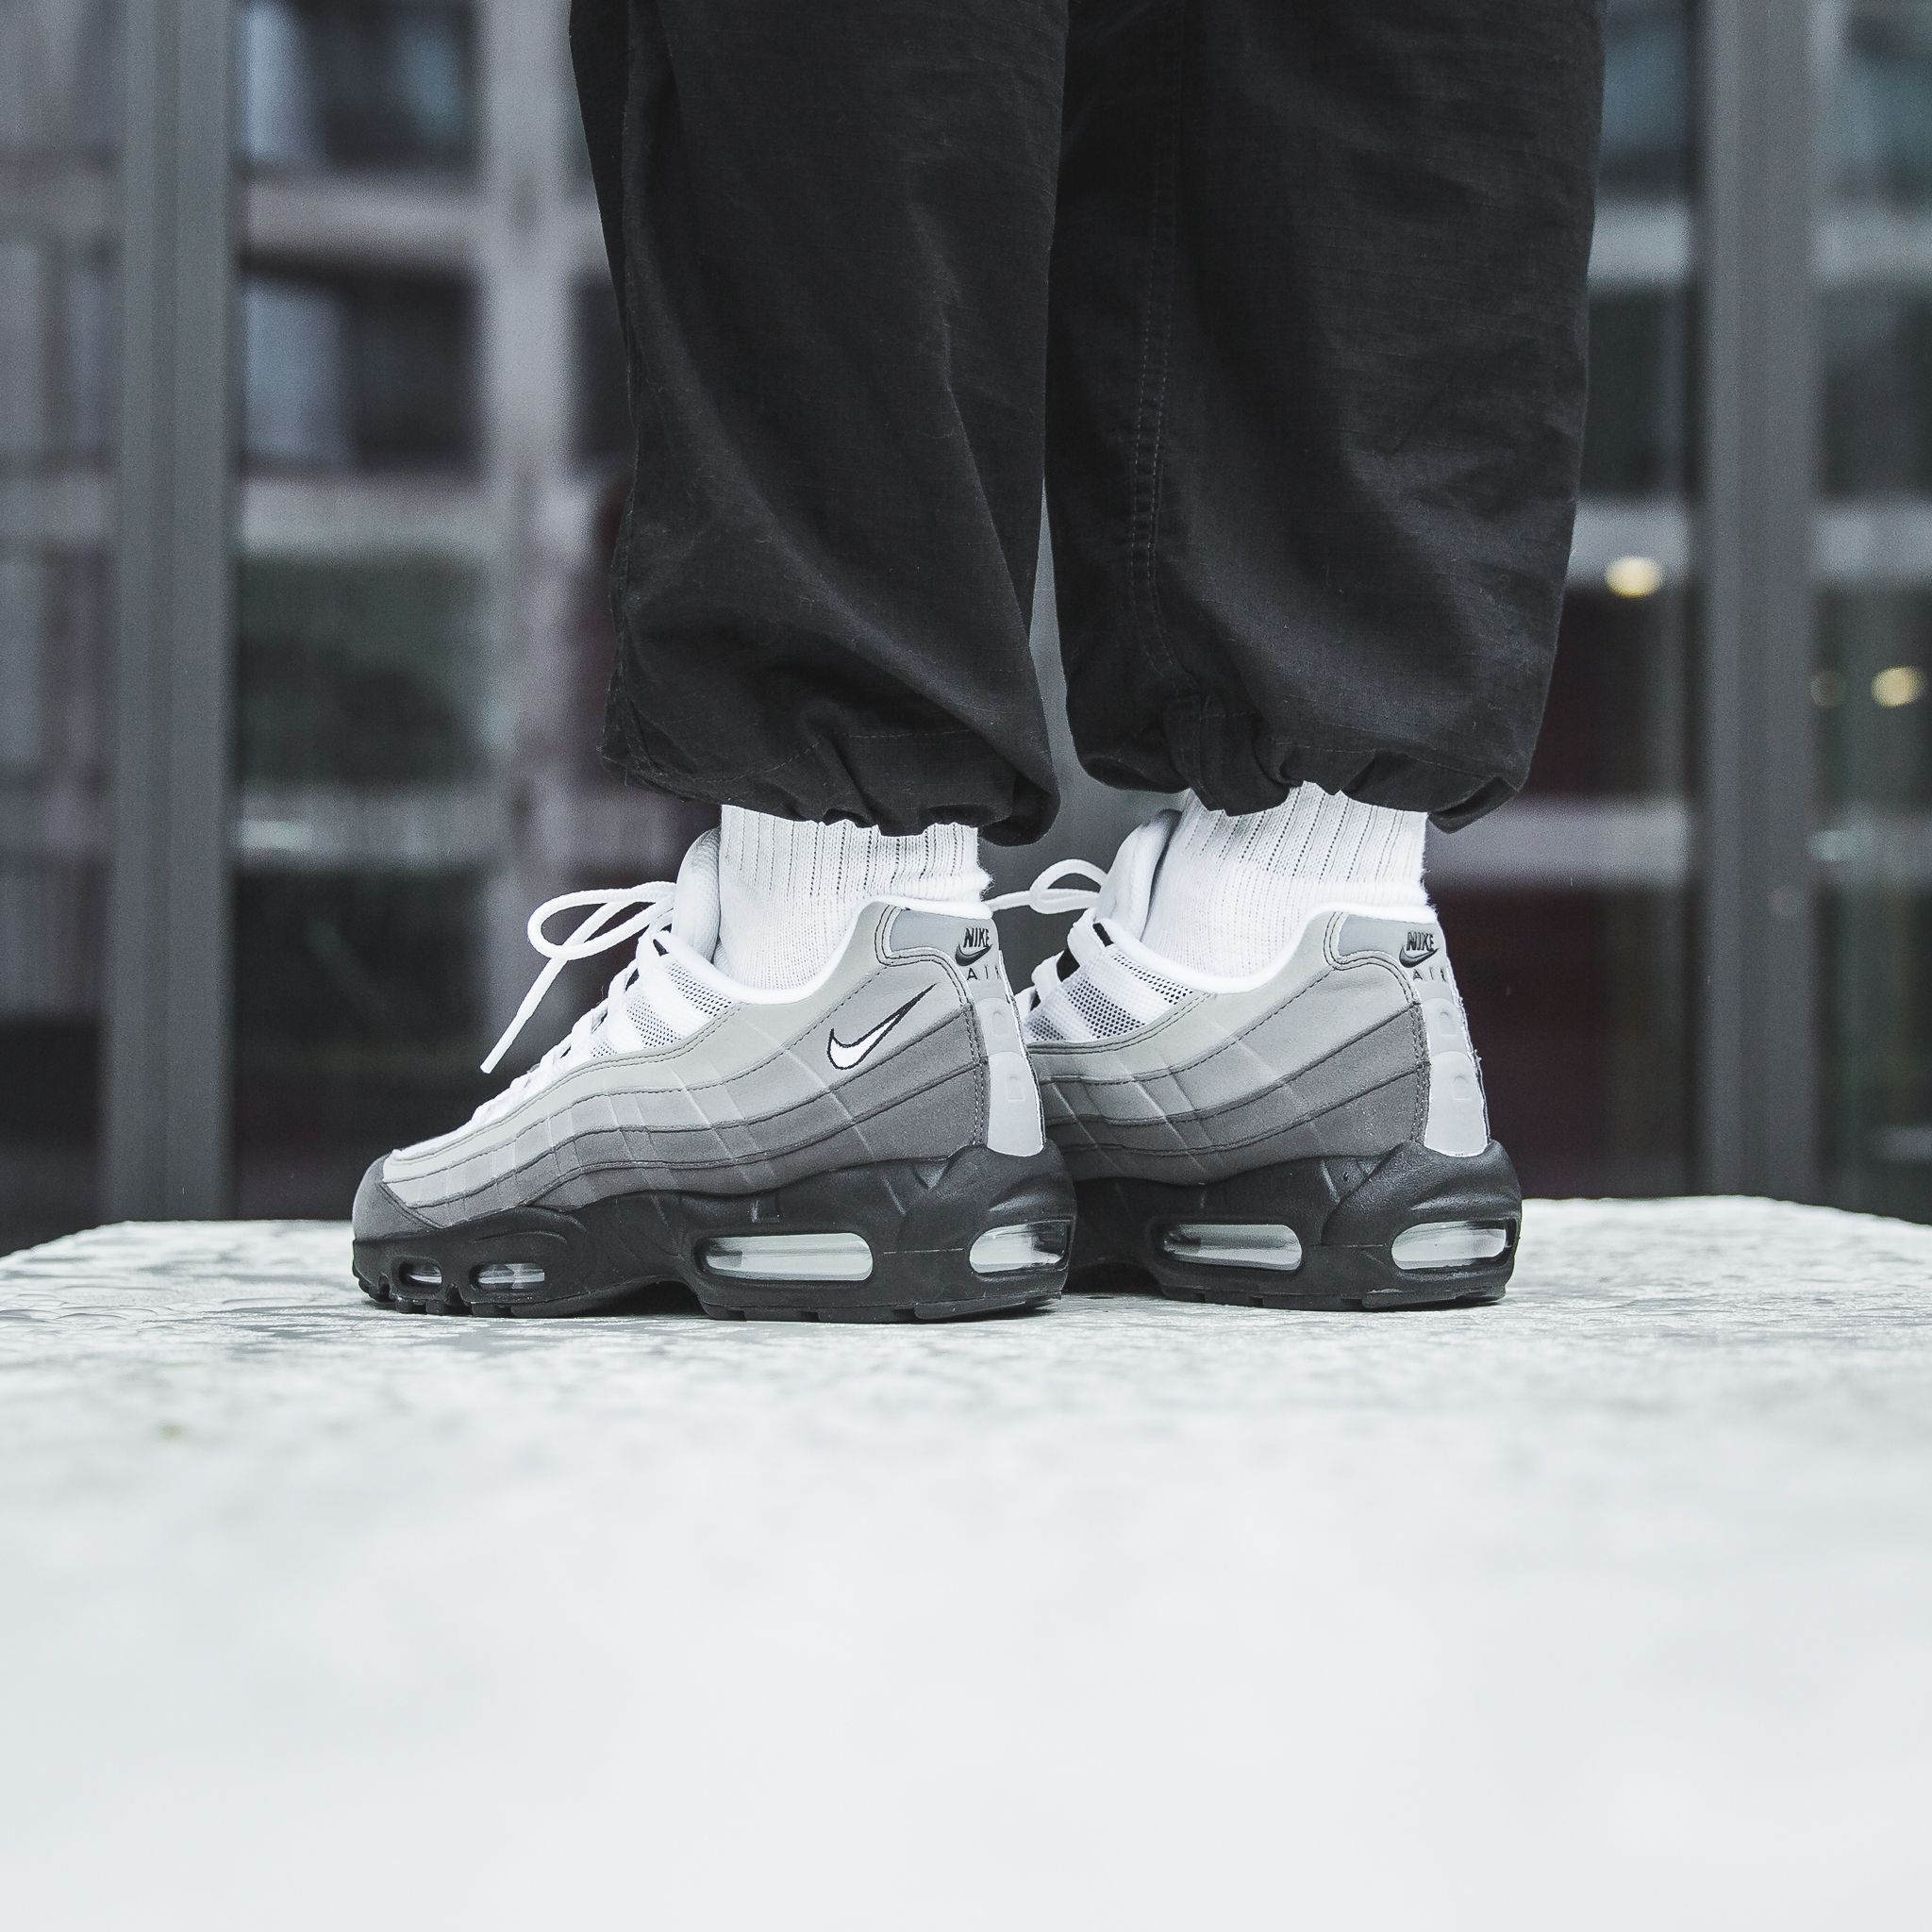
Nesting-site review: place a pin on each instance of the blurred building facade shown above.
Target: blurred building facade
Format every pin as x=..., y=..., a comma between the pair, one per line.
x=426, y=430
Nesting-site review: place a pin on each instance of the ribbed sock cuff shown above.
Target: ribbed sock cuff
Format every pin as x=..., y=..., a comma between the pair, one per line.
x=788, y=889
x=1235, y=891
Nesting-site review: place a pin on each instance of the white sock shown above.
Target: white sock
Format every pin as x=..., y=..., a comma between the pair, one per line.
x=788, y=890
x=1233, y=894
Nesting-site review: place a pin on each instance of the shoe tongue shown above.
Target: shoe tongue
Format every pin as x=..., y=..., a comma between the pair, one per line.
x=1129, y=894
x=695, y=914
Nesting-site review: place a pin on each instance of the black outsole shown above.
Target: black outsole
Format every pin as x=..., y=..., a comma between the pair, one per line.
x=1346, y=1214
x=918, y=1218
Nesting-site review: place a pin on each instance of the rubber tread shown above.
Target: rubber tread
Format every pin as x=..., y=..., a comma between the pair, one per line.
x=1345, y=1212
x=919, y=1217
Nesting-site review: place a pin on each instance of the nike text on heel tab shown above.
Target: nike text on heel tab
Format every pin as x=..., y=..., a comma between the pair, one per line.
x=1419, y=946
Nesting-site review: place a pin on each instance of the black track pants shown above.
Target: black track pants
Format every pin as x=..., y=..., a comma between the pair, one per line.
x=1284, y=299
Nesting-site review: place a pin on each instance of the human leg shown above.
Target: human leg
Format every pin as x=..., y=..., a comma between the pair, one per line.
x=828, y=226
x=1316, y=388
x=805, y=1094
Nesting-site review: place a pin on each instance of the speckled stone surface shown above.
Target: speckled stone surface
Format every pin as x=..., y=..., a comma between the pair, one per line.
x=1610, y=1605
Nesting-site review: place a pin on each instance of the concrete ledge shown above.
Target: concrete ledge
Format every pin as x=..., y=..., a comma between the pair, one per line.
x=1611, y=1604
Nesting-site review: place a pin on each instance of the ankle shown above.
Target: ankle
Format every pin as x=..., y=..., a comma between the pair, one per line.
x=1235, y=891
x=789, y=890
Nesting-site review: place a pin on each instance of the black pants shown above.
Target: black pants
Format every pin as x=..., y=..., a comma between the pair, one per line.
x=1284, y=299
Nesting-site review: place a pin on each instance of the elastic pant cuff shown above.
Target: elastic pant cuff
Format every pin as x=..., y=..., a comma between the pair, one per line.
x=902, y=783
x=1236, y=763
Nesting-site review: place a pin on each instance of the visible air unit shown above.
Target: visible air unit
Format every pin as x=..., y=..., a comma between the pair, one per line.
x=508, y=1274
x=1448, y=1244
x=787, y=1256
x=1235, y=1244
x=1014, y=1250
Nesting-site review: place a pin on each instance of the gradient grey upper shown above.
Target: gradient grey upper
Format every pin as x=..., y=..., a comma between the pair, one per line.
x=753, y=1099
x=1354, y=1045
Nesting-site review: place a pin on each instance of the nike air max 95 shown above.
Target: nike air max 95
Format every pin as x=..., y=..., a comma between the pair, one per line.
x=1310, y=1136
x=865, y=1147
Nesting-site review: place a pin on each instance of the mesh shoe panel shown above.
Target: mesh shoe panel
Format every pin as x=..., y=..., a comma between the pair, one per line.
x=1107, y=1020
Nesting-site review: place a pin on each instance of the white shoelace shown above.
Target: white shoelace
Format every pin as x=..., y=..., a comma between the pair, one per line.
x=1048, y=894
x=640, y=912
x=649, y=908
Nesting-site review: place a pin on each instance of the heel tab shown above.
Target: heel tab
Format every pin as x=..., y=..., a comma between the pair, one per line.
x=964, y=938
x=1458, y=1119
x=1412, y=938
x=970, y=948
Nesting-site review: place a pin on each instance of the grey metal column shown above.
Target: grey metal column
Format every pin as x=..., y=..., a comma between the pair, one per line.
x=1759, y=1080
x=166, y=1098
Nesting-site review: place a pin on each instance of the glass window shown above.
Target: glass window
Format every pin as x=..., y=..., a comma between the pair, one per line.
x=355, y=370
x=424, y=634
x=1878, y=124
x=57, y=95
x=52, y=649
x=1877, y=420
x=1617, y=723
x=360, y=673
x=56, y=350
x=1570, y=911
x=1646, y=137
x=1873, y=694
x=1871, y=688
x=1639, y=437
x=59, y=74
x=1878, y=1091
x=358, y=84
x=1592, y=983
x=358, y=1009
x=602, y=397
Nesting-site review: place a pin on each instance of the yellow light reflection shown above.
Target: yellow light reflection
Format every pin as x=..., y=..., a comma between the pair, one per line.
x=1903, y=684
x=1635, y=576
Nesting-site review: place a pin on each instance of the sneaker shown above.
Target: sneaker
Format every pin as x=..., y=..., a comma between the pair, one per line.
x=867, y=1147
x=1311, y=1137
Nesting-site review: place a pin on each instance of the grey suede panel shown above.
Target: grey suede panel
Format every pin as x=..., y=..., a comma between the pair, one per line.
x=1382, y=1053
x=746, y=1040
x=1217, y=1052
x=1363, y=1098
x=378, y=1215
x=750, y=1101
x=1327, y=1057
x=916, y=1104
x=923, y=1126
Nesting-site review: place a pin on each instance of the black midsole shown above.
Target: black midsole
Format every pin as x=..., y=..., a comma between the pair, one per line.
x=919, y=1219
x=1345, y=1212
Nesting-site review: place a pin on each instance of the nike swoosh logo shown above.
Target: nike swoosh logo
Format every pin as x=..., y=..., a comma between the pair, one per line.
x=847, y=1053
x=1418, y=948
x=975, y=946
